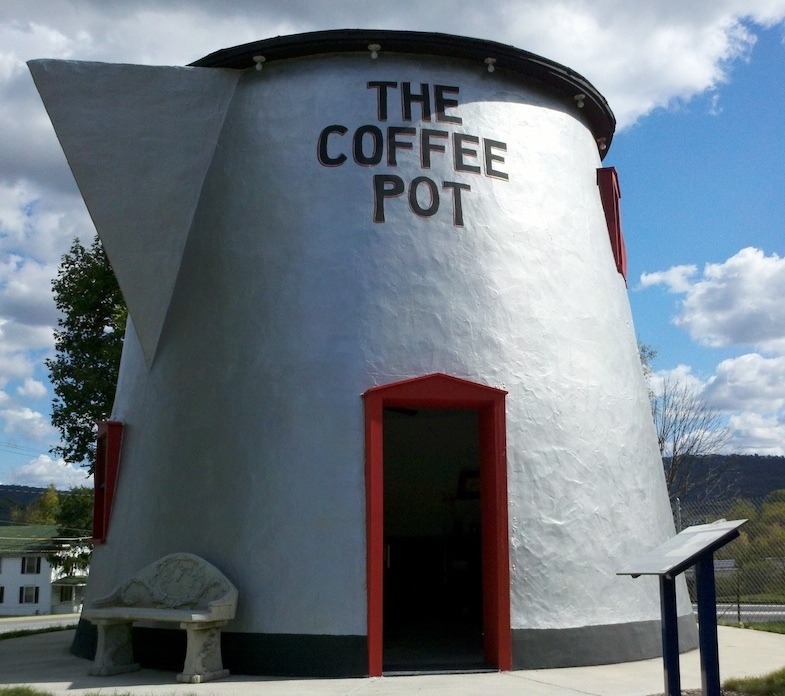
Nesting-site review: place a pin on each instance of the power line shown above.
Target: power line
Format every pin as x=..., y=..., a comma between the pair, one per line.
x=21, y=450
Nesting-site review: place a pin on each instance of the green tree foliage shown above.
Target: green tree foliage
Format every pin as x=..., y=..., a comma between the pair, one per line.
x=88, y=344
x=43, y=510
x=759, y=551
x=74, y=528
x=75, y=516
x=72, y=512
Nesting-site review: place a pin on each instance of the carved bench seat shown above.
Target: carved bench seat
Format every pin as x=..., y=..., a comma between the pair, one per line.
x=180, y=588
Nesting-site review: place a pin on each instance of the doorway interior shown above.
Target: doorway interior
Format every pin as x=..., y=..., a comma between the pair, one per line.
x=423, y=569
x=432, y=542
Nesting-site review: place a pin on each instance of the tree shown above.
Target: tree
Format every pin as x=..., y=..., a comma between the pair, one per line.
x=88, y=344
x=43, y=510
x=72, y=512
x=689, y=431
x=74, y=529
x=647, y=353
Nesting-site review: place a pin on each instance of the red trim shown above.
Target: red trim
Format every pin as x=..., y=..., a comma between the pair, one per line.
x=443, y=391
x=610, y=193
x=107, y=462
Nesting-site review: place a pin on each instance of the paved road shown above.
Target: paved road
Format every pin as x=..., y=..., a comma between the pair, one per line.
x=32, y=623
x=750, y=613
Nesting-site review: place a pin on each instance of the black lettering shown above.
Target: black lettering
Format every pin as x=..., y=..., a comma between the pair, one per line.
x=443, y=103
x=324, y=157
x=426, y=146
x=381, y=97
x=457, y=201
x=378, y=145
x=393, y=144
x=381, y=191
x=459, y=152
x=433, y=192
x=423, y=99
x=491, y=157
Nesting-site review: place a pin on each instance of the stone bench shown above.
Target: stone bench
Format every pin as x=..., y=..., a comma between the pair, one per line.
x=180, y=588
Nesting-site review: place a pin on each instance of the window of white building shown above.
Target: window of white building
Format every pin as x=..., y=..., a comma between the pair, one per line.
x=28, y=595
x=31, y=565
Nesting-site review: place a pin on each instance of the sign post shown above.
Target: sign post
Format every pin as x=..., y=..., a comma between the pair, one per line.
x=695, y=546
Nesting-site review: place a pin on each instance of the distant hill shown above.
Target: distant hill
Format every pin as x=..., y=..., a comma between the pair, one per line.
x=748, y=476
x=16, y=497
x=758, y=476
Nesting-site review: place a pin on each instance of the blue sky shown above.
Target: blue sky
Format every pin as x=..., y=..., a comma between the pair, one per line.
x=701, y=181
x=700, y=149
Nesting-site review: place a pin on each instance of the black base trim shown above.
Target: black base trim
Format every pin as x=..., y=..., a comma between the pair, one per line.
x=295, y=655
x=85, y=640
x=279, y=654
x=595, y=645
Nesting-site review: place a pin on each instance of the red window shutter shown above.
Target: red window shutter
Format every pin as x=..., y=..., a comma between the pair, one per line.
x=610, y=193
x=107, y=462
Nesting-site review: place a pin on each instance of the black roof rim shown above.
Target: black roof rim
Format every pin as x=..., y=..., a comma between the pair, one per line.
x=556, y=79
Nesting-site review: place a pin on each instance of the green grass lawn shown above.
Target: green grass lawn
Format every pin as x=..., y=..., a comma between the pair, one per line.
x=770, y=626
x=34, y=631
x=770, y=685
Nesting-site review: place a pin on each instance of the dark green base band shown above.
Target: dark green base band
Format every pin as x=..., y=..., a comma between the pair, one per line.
x=595, y=645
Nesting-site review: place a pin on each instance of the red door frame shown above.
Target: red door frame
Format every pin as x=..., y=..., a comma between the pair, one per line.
x=440, y=391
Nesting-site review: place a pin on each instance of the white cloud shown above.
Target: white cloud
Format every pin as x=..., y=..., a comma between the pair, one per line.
x=14, y=365
x=736, y=302
x=749, y=382
x=39, y=222
x=26, y=295
x=27, y=423
x=641, y=56
x=681, y=375
x=44, y=470
x=32, y=389
x=676, y=279
x=18, y=338
x=749, y=390
x=753, y=433
x=22, y=348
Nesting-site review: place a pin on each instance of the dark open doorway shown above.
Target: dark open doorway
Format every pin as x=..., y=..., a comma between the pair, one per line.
x=438, y=394
x=432, y=541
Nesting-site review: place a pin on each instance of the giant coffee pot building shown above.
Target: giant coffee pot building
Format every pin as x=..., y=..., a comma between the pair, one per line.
x=380, y=367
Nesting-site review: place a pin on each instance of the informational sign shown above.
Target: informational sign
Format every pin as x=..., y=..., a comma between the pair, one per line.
x=694, y=546
x=682, y=551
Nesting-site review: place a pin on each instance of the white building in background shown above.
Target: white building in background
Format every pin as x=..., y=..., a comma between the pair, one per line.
x=380, y=367
x=28, y=583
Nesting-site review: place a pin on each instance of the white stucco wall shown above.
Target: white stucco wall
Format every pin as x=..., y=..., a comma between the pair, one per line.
x=244, y=437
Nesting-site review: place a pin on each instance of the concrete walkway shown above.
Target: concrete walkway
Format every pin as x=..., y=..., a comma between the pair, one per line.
x=43, y=662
